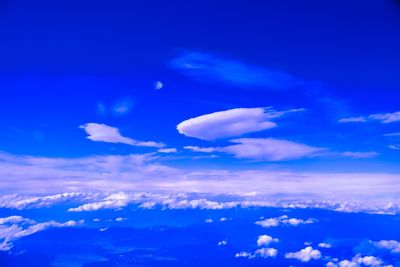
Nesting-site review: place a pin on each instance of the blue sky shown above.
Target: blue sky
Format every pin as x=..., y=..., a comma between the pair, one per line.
x=304, y=88
x=260, y=114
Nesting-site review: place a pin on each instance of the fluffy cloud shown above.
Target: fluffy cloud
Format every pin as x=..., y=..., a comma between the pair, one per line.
x=104, y=133
x=208, y=68
x=324, y=245
x=283, y=220
x=359, y=261
x=113, y=201
x=380, y=117
x=392, y=245
x=305, y=255
x=15, y=227
x=222, y=243
x=265, y=240
x=228, y=123
x=270, y=149
x=158, y=85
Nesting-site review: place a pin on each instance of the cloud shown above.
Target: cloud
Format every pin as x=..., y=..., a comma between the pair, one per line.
x=158, y=85
x=360, y=155
x=122, y=107
x=392, y=245
x=261, y=252
x=201, y=149
x=283, y=220
x=167, y=150
x=222, y=243
x=380, y=117
x=270, y=149
x=359, y=261
x=265, y=240
x=324, y=245
x=208, y=68
x=232, y=122
x=16, y=227
x=103, y=133
x=305, y=255
x=43, y=181
x=113, y=201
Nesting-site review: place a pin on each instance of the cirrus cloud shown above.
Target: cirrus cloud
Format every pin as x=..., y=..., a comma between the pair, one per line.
x=98, y=132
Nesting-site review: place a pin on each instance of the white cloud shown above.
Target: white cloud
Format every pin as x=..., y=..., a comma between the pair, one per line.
x=394, y=147
x=392, y=245
x=158, y=85
x=265, y=240
x=359, y=261
x=120, y=219
x=261, y=252
x=353, y=119
x=305, y=254
x=324, y=245
x=113, y=201
x=167, y=150
x=360, y=155
x=15, y=227
x=266, y=252
x=222, y=243
x=41, y=179
x=208, y=220
x=381, y=117
x=283, y=220
x=269, y=149
x=228, y=123
x=202, y=149
x=103, y=133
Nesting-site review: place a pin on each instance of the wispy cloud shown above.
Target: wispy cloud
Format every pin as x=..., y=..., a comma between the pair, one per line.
x=208, y=68
x=103, y=133
x=360, y=155
x=167, y=150
x=380, y=117
x=122, y=107
x=232, y=122
x=270, y=149
x=14, y=227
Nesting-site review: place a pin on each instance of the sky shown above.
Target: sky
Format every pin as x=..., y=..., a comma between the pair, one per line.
x=159, y=119
x=202, y=92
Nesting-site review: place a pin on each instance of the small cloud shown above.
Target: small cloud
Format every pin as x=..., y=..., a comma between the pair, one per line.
x=103, y=133
x=167, y=150
x=305, y=255
x=283, y=220
x=209, y=220
x=394, y=147
x=201, y=149
x=222, y=243
x=101, y=109
x=122, y=107
x=158, y=85
x=324, y=245
x=380, y=117
x=120, y=219
x=353, y=119
x=360, y=155
x=265, y=240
